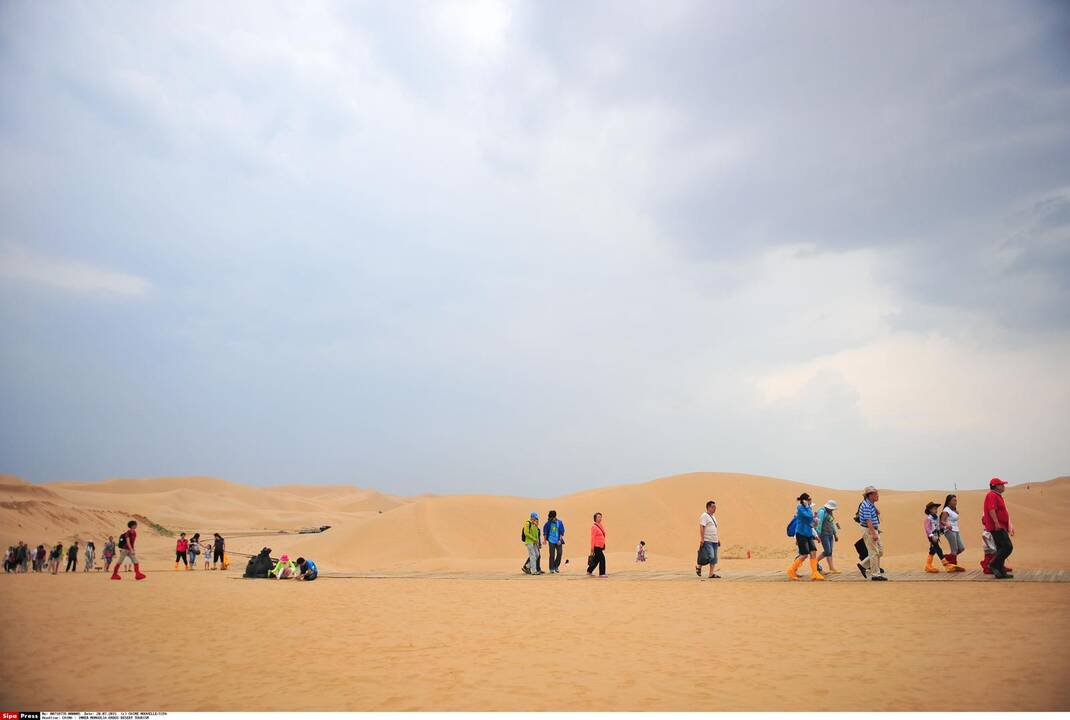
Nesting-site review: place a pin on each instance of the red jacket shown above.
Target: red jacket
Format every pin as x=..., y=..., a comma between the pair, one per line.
x=598, y=536
x=182, y=545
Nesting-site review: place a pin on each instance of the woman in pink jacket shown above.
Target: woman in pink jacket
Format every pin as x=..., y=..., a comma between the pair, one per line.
x=598, y=547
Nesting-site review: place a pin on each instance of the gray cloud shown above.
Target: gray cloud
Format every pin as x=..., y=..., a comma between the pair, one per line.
x=525, y=247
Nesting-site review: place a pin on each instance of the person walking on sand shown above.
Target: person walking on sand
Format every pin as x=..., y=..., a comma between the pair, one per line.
x=40, y=558
x=828, y=533
x=532, y=541
x=805, y=538
x=640, y=552
x=90, y=556
x=931, y=526
x=218, y=549
x=709, y=541
x=193, y=550
x=206, y=550
x=181, y=551
x=108, y=553
x=949, y=521
x=554, y=535
x=598, y=547
x=72, y=558
x=127, y=542
x=998, y=522
x=54, y=557
x=869, y=517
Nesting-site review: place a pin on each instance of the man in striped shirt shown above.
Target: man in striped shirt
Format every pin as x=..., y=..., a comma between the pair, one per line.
x=869, y=517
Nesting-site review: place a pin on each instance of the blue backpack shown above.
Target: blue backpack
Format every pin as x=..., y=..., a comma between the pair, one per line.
x=792, y=526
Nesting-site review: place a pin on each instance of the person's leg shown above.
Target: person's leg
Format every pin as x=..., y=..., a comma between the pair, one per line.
x=601, y=560
x=873, y=552
x=714, y=549
x=533, y=558
x=803, y=550
x=1004, y=548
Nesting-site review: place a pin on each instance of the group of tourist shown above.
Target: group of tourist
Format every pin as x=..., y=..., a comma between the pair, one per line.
x=940, y=521
x=21, y=558
x=811, y=529
x=214, y=551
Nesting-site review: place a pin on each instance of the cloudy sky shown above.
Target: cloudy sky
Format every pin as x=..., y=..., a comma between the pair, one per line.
x=531, y=248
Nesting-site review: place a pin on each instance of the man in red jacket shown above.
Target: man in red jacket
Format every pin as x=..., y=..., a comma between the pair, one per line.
x=997, y=521
x=126, y=550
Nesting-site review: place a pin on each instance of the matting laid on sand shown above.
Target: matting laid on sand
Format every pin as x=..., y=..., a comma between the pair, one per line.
x=1049, y=576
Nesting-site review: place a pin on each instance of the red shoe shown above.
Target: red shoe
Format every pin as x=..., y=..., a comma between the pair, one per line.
x=116, y=576
x=138, y=575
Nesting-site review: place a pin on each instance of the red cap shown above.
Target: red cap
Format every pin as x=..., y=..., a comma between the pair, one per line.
x=996, y=481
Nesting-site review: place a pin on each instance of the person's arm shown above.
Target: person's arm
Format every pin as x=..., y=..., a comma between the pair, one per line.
x=701, y=533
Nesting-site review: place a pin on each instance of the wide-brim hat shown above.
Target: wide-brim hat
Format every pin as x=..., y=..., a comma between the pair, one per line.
x=869, y=489
x=831, y=505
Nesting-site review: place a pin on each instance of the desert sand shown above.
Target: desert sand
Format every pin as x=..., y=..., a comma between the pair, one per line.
x=439, y=616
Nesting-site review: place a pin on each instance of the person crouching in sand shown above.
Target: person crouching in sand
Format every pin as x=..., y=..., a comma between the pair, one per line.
x=284, y=569
x=306, y=570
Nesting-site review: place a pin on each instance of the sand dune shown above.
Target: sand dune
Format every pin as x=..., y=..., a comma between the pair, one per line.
x=456, y=644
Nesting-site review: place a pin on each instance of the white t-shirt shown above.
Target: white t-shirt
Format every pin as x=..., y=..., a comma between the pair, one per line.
x=952, y=519
x=709, y=527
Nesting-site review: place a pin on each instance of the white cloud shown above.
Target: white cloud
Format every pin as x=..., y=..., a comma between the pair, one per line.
x=929, y=382
x=21, y=265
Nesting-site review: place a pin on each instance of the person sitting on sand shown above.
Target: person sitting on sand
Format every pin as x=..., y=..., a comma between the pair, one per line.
x=597, y=558
x=931, y=525
x=805, y=539
x=284, y=569
x=640, y=551
x=828, y=534
x=306, y=569
x=949, y=523
x=709, y=541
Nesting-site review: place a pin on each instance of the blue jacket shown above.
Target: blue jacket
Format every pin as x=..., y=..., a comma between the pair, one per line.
x=549, y=536
x=804, y=521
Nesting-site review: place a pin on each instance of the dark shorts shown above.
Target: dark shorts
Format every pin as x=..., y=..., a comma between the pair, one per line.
x=312, y=575
x=217, y=555
x=806, y=544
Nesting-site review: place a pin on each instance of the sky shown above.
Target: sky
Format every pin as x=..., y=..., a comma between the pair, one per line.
x=536, y=247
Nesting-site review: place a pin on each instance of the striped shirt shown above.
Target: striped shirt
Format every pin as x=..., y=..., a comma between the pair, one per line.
x=868, y=511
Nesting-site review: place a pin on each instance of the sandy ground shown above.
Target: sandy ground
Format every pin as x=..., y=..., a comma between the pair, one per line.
x=530, y=644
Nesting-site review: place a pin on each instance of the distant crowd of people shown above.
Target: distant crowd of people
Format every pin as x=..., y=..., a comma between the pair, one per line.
x=116, y=556
x=810, y=529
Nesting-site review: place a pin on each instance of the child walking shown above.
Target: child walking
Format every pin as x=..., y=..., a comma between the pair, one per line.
x=931, y=525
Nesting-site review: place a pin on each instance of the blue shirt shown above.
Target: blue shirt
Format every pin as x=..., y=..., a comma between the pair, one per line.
x=868, y=511
x=553, y=531
x=310, y=567
x=804, y=521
